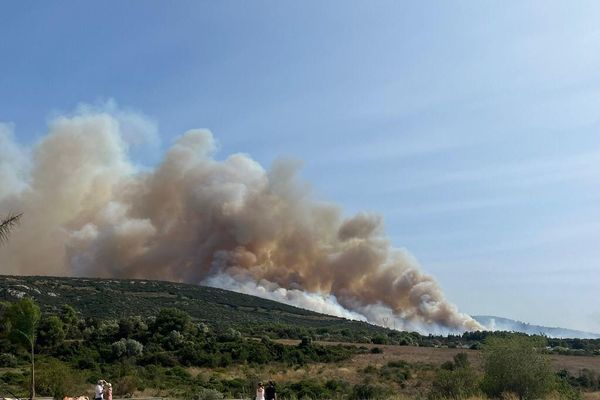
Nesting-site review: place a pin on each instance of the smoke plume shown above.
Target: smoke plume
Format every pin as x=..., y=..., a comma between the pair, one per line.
x=89, y=211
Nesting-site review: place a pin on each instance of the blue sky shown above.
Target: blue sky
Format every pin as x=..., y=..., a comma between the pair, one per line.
x=472, y=127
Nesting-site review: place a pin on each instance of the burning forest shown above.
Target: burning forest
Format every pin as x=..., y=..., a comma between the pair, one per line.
x=90, y=211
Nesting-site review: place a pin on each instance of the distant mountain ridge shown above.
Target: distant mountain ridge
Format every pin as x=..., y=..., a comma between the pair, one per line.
x=506, y=324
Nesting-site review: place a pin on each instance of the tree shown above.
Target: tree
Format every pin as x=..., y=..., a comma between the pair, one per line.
x=69, y=318
x=51, y=331
x=68, y=315
x=516, y=365
x=172, y=319
x=23, y=318
x=7, y=224
x=127, y=347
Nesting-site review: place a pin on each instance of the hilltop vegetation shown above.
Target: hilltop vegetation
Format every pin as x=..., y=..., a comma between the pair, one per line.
x=114, y=299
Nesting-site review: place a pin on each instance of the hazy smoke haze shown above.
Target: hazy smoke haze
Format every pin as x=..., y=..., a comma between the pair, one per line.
x=89, y=211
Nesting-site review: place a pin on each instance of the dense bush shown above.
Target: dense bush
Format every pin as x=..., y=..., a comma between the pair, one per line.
x=586, y=379
x=565, y=391
x=51, y=331
x=127, y=348
x=13, y=378
x=459, y=383
x=396, y=371
x=455, y=380
x=8, y=360
x=516, y=365
x=168, y=340
x=56, y=379
x=369, y=392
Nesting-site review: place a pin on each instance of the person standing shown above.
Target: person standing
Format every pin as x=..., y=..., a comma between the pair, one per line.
x=99, y=391
x=260, y=391
x=109, y=391
x=270, y=392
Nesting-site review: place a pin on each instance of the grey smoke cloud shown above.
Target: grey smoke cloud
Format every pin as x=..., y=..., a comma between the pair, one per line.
x=230, y=223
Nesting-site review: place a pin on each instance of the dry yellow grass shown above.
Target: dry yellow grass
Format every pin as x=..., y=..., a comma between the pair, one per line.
x=437, y=356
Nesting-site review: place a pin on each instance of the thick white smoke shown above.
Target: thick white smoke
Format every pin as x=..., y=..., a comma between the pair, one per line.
x=88, y=211
x=324, y=303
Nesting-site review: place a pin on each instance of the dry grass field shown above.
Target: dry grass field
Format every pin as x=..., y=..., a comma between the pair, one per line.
x=592, y=396
x=437, y=356
x=353, y=370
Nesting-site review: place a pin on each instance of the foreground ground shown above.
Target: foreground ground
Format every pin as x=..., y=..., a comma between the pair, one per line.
x=362, y=368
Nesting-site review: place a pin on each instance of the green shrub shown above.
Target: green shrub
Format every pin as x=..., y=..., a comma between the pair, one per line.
x=447, y=365
x=306, y=389
x=162, y=358
x=380, y=339
x=457, y=383
x=51, y=331
x=461, y=360
x=13, y=378
x=565, y=391
x=178, y=372
x=171, y=319
x=230, y=335
x=86, y=363
x=126, y=348
x=369, y=392
x=336, y=386
x=514, y=364
x=237, y=388
x=396, y=371
x=8, y=360
x=56, y=379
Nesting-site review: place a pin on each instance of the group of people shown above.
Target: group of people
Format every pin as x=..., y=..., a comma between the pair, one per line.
x=103, y=390
x=266, y=393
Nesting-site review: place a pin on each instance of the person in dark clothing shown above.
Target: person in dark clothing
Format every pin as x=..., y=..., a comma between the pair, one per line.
x=270, y=392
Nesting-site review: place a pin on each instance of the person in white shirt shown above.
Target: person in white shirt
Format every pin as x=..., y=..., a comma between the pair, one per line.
x=99, y=391
x=260, y=391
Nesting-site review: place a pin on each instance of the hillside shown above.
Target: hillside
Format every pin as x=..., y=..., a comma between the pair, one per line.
x=115, y=298
x=118, y=298
x=506, y=324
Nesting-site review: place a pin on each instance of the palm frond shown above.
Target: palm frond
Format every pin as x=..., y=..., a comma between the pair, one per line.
x=7, y=224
